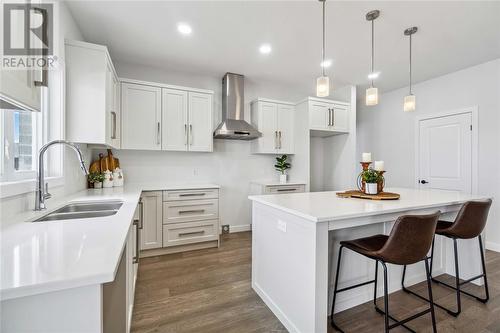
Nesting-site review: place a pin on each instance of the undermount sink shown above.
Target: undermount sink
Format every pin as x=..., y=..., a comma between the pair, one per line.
x=83, y=210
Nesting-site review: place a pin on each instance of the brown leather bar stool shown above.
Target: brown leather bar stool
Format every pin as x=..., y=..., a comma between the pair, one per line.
x=408, y=243
x=469, y=223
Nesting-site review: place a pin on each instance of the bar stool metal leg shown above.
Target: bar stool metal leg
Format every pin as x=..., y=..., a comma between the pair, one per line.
x=335, y=290
x=431, y=299
x=386, y=300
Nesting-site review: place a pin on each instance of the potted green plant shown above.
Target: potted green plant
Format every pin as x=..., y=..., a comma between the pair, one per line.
x=282, y=165
x=371, y=178
x=96, y=178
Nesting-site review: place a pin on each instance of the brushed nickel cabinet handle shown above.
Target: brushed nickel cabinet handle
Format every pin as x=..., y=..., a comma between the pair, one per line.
x=286, y=190
x=190, y=134
x=201, y=232
x=158, y=133
x=275, y=139
x=191, y=194
x=279, y=139
x=113, y=131
x=185, y=135
x=135, y=259
x=333, y=117
x=141, y=215
x=193, y=211
x=329, y=117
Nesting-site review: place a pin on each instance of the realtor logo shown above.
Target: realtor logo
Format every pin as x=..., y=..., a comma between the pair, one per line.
x=27, y=29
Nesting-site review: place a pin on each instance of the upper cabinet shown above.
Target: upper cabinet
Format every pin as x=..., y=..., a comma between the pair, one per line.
x=326, y=117
x=141, y=117
x=275, y=120
x=92, y=92
x=18, y=89
x=182, y=118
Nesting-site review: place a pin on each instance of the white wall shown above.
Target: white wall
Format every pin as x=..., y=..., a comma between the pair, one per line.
x=388, y=132
x=64, y=27
x=231, y=165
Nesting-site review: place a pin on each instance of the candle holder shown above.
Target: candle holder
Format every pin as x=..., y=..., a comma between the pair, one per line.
x=361, y=183
x=381, y=182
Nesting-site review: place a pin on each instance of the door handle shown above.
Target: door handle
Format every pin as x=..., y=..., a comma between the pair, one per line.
x=333, y=117
x=201, y=232
x=141, y=215
x=279, y=139
x=275, y=139
x=423, y=181
x=329, y=118
x=193, y=211
x=185, y=135
x=158, y=133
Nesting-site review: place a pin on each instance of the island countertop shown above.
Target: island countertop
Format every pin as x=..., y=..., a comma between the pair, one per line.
x=327, y=206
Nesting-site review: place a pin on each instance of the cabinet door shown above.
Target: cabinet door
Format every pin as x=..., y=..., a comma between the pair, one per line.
x=151, y=232
x=268, y=126
x=318, y=116
x=115, y=113
x=174, y=120
x=110, y=119
x=200, y=122
x=340, y=118
x=285, y=129
x=141, y=117
x=18, y=86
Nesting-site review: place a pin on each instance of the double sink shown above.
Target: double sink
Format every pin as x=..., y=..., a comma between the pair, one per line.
x=83, y=210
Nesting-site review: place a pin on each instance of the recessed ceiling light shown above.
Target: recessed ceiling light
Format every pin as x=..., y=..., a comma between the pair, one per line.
x=265, y=49
x=327, y=63
x=184, y=28
x=373, y=76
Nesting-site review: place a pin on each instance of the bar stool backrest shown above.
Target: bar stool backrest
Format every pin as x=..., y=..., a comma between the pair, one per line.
x=471, y=219
x=410, y=239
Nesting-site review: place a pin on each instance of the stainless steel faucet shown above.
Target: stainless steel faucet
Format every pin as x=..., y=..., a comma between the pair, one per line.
x=42, y=188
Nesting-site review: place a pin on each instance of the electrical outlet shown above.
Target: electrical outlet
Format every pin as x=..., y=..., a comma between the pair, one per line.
x=225, y=228
x=281, y=225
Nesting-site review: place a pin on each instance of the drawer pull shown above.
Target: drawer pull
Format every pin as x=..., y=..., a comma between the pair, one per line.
x=192, y=194
x=193, y=211
x=286, y=190
x=201, y=232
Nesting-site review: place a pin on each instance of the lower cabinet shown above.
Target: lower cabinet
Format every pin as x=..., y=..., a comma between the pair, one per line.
x=132, y=255
x=179, y=220
x=276, y=188
x=151, y=213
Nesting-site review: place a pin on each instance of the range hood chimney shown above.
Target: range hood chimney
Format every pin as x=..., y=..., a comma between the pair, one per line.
x=233, y=126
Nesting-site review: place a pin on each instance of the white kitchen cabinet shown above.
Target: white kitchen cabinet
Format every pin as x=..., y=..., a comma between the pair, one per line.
x=141, y=116
x=92, y=105
x=326, y=117
x=187, y=120
x=174, y=119
x=200, y=114
x=151, y=236
x=275, y=120
x=270, y=187
x=132, y=252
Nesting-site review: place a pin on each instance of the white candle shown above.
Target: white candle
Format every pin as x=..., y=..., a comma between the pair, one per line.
x=367, y=157
x=379, y=165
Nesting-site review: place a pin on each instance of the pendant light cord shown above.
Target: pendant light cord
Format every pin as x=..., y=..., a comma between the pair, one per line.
x=373, y=47
x=410, y=66
x=323, y=50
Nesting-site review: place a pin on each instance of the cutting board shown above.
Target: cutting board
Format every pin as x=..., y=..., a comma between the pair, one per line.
x=361, y=195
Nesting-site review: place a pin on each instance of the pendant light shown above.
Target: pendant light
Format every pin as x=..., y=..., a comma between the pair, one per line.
x=323, y=82
x=410, y=101
x=372, y=92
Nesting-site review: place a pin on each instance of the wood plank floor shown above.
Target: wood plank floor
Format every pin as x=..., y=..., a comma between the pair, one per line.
x=210, y=291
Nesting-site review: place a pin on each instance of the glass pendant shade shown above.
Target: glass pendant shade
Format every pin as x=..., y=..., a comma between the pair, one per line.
x=323, y=86
x=409, y=103
x=371, y=96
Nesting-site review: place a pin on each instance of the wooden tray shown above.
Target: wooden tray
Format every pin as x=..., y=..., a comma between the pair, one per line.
x=361, y=195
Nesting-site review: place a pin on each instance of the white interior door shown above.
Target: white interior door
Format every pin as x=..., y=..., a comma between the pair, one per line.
x=445, y=153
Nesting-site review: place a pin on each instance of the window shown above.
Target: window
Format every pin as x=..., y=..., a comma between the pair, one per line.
x=20, y=137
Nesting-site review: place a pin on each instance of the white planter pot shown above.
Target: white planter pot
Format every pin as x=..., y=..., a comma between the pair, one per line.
x=283, y=178
x=371, y=188
x=98, y=185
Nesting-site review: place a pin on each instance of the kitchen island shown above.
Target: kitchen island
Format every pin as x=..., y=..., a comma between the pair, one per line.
x=295, y=244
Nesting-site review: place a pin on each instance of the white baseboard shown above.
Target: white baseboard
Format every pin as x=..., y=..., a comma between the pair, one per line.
x=493, y=246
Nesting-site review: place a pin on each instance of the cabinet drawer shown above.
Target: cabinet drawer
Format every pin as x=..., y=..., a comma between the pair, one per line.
x=190, y=232
x=277, y=189
x=190, y=194
x=190, y=210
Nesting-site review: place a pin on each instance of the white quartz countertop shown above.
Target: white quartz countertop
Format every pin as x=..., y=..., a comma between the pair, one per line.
x=40, y=257
x=327, y=206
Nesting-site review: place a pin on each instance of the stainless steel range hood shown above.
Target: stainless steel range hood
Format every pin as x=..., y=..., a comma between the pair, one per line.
x=233, y=126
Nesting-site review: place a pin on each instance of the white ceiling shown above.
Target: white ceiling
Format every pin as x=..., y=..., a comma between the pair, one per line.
x=227, y=34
